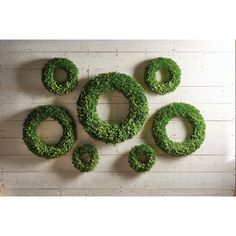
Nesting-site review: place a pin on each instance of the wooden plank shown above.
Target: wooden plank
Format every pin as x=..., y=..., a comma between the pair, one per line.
x=191, y=76
x=204, y=45
x=182, y=94
x=209, y=111
x=100, y=46
x=146, y=192
x=198, y=75
x=27, y=79
x=51, y=129
x=117, y=192
x=19, y=111
x=20, y=148
x=30, y=192
x=35, y=180
x=120, y=61
x=116, y=45
x=118, y=163
x=212, y=146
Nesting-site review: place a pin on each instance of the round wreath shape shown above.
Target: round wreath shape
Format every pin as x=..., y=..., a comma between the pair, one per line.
x=49, y=80
x=164, y=64
x=83, y=165
x=34, y=142
x=138, y=165
x=112, y=132
x=183, y=110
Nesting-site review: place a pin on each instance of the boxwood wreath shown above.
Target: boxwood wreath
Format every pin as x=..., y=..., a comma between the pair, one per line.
x=112, y=132
x=166, y=64
x=48, y=76
x=81, y=164
x=142, y=166
x=34, y=142
x=190, y=113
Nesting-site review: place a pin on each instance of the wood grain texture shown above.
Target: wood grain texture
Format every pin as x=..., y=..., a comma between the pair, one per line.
x=207, y=82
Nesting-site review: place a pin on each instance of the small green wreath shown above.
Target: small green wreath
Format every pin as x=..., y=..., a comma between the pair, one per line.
x=166, y=64
x=48, y=76
x=33, y=141
x=183, y=110
x=110, y=132
x=142, y=166
x=82, y=165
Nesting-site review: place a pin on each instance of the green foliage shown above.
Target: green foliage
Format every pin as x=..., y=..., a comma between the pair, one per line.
x=190, y=113
x=166, y=64
x=138, y=165
x=34, y=142
x=81, y=164
x=48, y=76
x=111, y=132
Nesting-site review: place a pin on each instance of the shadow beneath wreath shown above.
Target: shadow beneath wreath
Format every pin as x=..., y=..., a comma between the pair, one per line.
x=14, y=152
x=138, y=74
x=29, y=78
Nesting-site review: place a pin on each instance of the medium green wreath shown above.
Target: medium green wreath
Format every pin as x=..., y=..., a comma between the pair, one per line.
x=81, y=164
x=48, y=76
x=33, y=141
x=111, y=132
x=165, y=64
x=138, y=165
x=183, y=110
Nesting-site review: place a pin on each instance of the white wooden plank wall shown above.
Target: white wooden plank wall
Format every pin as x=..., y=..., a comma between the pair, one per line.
x=207, y=83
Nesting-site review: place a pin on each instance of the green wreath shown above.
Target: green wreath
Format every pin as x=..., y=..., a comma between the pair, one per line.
x=110, y=132
x=166, y=64
x=83, y=165
x=142, y=166
x=190, y=113
x=48, y=76
x=33, y=141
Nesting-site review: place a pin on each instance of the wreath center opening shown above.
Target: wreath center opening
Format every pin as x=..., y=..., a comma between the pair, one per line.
x=50, y=131
x=85, y=157
x=60, y=76
x=113, y=107
x=142, y=157
x=162, y=76
x=179, y=129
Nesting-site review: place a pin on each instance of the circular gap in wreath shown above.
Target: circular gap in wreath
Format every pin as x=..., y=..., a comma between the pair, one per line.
x=60, y=76
x=162, y=76
x=85, y=157
x=179, y=129
x=142, y=157
x=113, y=107
x=50, y=131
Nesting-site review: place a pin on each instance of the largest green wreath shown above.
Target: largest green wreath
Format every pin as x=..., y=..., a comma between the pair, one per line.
x=112, y=132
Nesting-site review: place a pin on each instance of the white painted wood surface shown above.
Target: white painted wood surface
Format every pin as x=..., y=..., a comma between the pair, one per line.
x=207, y=83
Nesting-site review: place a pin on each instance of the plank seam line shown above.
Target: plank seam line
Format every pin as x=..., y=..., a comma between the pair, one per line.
x=117, y=172
x=88, y=51
x=172, y=189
